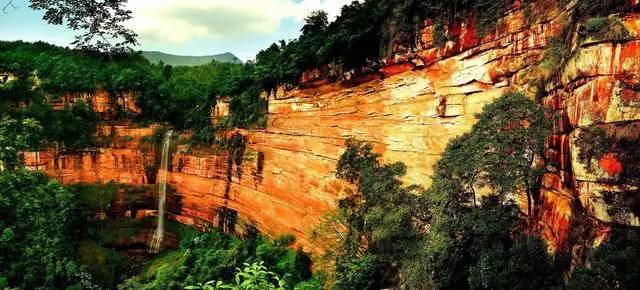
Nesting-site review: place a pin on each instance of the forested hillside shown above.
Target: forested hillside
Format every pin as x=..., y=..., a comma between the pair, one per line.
x=185, y=60
x=517, y=120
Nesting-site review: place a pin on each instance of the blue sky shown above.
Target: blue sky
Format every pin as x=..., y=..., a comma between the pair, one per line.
x=187, y=27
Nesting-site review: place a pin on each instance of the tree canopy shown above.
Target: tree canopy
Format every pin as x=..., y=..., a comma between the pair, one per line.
x=100, y=21
x=445, y=236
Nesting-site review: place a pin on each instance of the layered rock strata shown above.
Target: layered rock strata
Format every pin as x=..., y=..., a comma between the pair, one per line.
x=597, y=88
x=282, y=177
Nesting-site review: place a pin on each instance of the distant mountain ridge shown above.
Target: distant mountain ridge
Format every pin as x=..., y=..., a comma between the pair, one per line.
x=186, y=60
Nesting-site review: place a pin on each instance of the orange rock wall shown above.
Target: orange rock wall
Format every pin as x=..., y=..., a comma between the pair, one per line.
x=283, y=179
x=422, y=102
x=122, y=161
x=595, y=88
x=101, y=101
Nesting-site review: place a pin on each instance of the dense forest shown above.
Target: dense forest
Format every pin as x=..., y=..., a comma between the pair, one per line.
x=394, y=235
x=65, y=245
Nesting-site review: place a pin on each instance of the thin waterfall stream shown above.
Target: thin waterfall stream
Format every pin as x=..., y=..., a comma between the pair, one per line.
x=158, y=235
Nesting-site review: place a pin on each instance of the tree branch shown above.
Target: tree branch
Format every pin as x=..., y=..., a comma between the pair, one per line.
x=8, y=5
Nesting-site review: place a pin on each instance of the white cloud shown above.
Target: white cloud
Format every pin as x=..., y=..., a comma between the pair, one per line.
x=179, y=21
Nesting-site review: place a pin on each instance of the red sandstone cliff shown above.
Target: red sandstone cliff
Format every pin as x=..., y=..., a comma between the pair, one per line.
x=285, y=181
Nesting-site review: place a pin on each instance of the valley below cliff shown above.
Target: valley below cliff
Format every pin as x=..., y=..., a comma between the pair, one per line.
x=390, y=162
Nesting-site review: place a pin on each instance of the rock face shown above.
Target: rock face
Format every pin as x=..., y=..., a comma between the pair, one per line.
x=101, y=102
x=597, y=88
x=282, y=177
x=286, y=182
x=122, y=161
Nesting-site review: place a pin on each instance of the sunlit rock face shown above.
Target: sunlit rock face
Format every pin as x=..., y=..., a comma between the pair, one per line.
x=282, y=178
x=409, y=111
x=101, y=102
x=123, y=160
x=598, y=87
x=123, y=156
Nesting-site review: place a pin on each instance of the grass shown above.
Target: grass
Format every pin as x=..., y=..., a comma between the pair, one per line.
x=164, y=259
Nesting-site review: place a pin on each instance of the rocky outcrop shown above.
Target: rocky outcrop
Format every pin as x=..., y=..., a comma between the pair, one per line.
x=597, y=87
x=123, y=160
x=286, y=182
x=102, y=102
x=282, y=177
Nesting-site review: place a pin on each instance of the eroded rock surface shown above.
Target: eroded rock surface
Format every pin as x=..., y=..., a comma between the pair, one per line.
x=282, y=177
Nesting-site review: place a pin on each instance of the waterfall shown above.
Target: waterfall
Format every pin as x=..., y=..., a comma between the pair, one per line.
x=158, y=235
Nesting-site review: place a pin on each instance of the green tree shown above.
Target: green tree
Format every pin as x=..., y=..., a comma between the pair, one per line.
x=612, y=265
x=467, y=242
x=513, y=132
x=102, y=22
x=504, y=150
x=15, y=137
x=378, y=218
x=36, y=214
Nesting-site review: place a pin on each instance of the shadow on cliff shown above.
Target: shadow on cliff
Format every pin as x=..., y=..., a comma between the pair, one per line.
x=236, y=146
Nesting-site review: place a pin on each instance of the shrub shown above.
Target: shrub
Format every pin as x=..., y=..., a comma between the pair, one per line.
x=215, y=256
x=251, y=276
x=605, y=29
x=593, y=143
x=555, y=57
x=439, y=34
x=359, y=273
x=612, y=265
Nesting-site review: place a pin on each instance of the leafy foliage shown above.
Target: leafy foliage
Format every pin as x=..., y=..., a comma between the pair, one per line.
x=444, y=237
x=45, y=72
x=618, y=140
x=503, y=151
x=36, y=214
x=439, y=34
x=377, y=216
x=501, y=261
x=180, y=96
x=605, y=28
x=16, y=136
x=254, y=276
x=101, y=20
x=612, y=265
x=555, y=57
x=64, y=243
x=593, y=144
x=365, y=32
x=359, y=273
x=511, y=133
x=68, y=129
x=218, y=257
x=61, y=70
x=597, y=22
x=465, y=241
